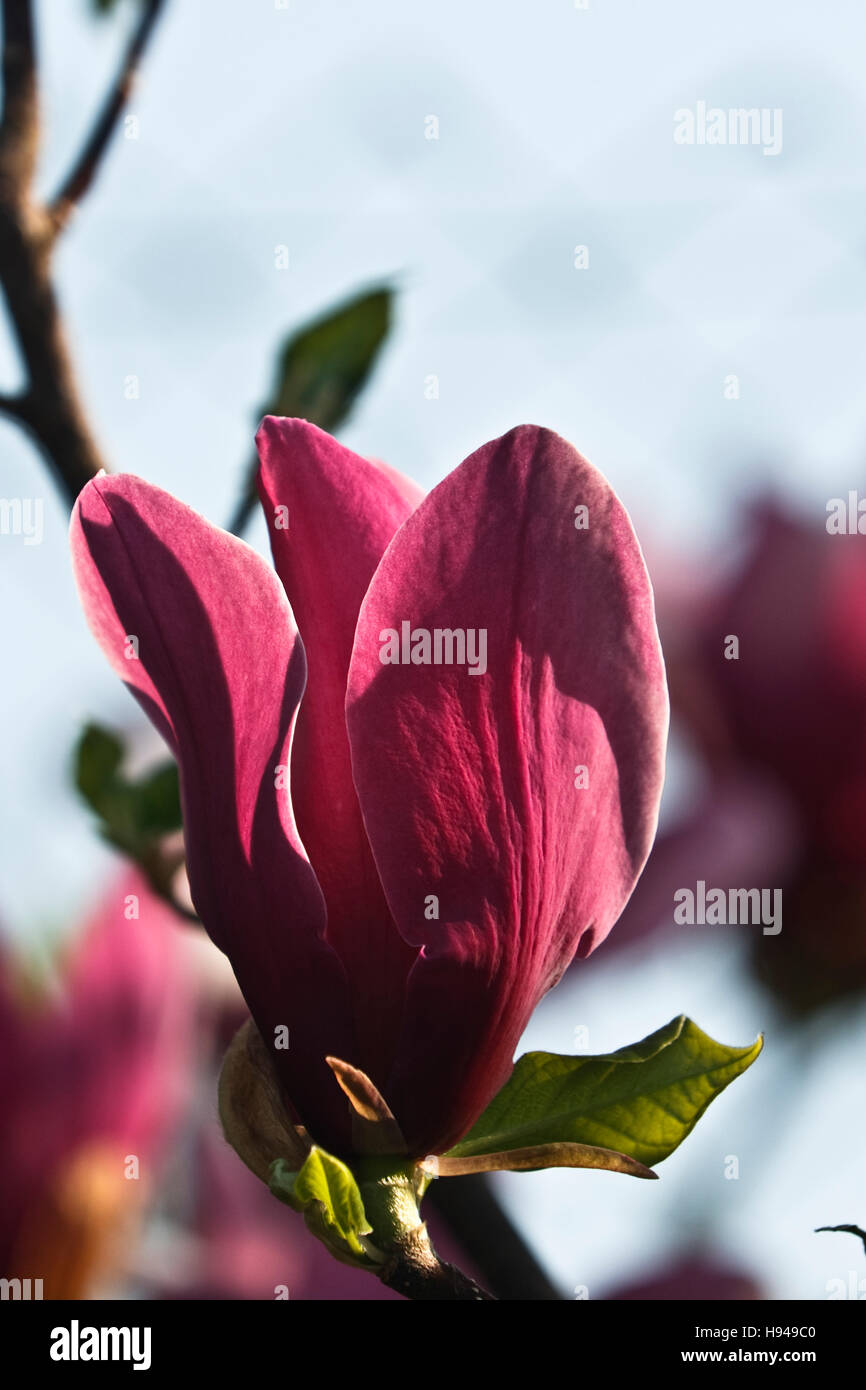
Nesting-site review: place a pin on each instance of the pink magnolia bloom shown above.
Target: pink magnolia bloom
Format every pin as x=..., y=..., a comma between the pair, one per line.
x=91, y=1072
x=435, y=868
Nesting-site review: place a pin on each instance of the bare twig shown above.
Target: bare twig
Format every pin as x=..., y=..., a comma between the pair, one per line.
x=20, y=128
x=86, y=166
x=49, y=407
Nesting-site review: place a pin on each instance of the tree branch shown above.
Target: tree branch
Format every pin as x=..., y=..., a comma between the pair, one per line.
x=16, y=407
x=49, y=407
x=19, y=132
x=86, y=166
x=416, y=1272
x=485, y=1231
x=412, y=1267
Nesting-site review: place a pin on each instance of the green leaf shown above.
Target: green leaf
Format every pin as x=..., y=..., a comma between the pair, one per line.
x=132, y=812
x=156, y=801
x=326, y=1192
x=321, y=369
x=135, y=816
x=641, y=1101
x=97, y=760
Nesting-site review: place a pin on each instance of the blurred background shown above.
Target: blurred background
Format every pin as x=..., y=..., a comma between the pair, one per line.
x=690, y=317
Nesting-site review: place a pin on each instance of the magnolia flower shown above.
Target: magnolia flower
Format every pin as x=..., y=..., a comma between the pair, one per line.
x=399, y=851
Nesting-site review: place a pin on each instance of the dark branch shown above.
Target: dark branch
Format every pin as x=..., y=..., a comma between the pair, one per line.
x=18, y=407
x=419, y=1275
x=50, y=407
x=495, y=1246
x=83, y=172
x=20, y=129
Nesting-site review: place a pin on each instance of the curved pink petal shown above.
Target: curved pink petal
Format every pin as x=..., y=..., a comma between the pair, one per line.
x=220, y=669
x=342, y=512
x=411, y=492
x=467, y=781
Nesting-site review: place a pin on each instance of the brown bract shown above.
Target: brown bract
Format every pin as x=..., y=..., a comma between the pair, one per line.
x=253, y=1113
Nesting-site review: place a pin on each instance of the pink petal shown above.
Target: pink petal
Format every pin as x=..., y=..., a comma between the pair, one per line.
x=342, y=512
x=408, y=489
x=467, y=781
x=221, y=672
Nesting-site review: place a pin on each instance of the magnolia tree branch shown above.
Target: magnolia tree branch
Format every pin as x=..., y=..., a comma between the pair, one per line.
x=85, y=168
x=485, y=1231
x=19, y=132
x=417, y=1273
x=49, y=407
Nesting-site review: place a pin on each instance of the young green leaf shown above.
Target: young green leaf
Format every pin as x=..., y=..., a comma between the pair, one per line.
x=641, y=1101
x=326, y=1192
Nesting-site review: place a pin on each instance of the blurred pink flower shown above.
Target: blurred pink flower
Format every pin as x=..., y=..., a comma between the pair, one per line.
x=240, y=1244
x=781, y=731
x=794, y=702
x=698, y=1276
x=93, y=1073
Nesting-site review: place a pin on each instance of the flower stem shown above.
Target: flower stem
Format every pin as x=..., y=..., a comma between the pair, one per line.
x=412, y=1267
